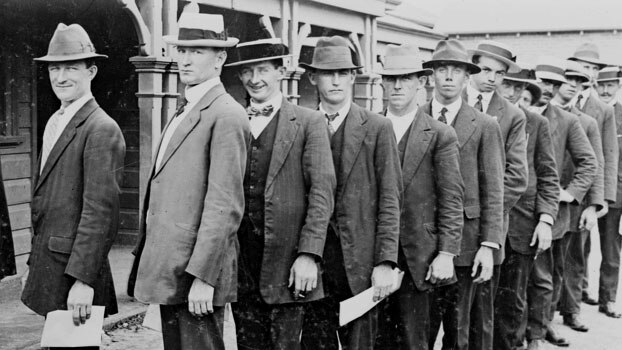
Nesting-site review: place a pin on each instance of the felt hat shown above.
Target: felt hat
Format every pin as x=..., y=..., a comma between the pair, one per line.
x=401, y=60
x=609, y=74
x=257, y=51
x=201, y=30
x=451, y=51
x=331, y=54
x=497, y=51
x=70, y=43
x=588, y=52
x=575, y=69
x=551, y=68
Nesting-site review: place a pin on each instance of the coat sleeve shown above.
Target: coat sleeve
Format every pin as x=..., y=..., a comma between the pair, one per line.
x=596, y=194
x=516, y=169
x=223, y=206
x=103, y=157
x=547, y=186
x=609, y=138
x=490, y=173
x=583, y=158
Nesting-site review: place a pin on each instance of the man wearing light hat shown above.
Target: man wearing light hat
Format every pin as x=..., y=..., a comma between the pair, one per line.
x=432, y=199
x=609, y=225
x=361, y=247
x=568, y=136
x=75, y=207
x=289, y=197
x=529, y=231
x=186, y=255
x=481, y=167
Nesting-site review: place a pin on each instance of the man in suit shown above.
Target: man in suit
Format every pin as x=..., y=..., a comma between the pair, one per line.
x=362, y=241
x=289, y=196
x=7, y=252
x=75, y=205
x=568, y=136
x=186, y=254
x=530, y=219
x=481, y=166
x=608, y=225
x=431, y=221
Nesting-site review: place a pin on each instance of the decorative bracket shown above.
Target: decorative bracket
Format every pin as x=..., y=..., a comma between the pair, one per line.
x=144, y=35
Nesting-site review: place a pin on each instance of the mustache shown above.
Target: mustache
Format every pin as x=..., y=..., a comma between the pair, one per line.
x=547, y=94
x=605, y=94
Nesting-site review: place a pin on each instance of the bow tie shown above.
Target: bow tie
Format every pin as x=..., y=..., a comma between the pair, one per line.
x=259, y=112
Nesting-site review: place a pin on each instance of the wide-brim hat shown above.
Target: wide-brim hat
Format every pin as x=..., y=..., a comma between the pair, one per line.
x=608, y=74
x=201, y=30
x=575, y=69
x=551, y=68
x=451, y=51
x=525, y=75
x=258, y=51
x=588, y=52
x=401, y=60
x=332, y=53
x=497, y=51
x=70, y=43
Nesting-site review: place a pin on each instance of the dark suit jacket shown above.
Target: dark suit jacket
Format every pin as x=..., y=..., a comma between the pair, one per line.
x=481, y=165
x=604, y=115
x=75, y=213
x=542, y=194
x=299, y=199
x=618, y=115
x=194, y=205
x=568, y=135
x=432, y=209
x=367, y=204
x=7, y=253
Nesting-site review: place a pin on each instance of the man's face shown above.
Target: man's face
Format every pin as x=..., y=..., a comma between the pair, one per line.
x=511, y=90
x=526, y=99
x=334, y=86
x=199, y=64
x=261, y=80
x=401, y=90
x=569, y=90
x=449, y=80
x=607, y=90
x=549, y=89
x=592, y=69
x=491, y=75
x=70, y=80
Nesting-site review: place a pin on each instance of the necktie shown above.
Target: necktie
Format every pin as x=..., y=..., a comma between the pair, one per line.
x=578, y=104
x=180, y=107
x=443, y=118
x=331, y=118
x=259, y=112
x=50, y=135
x=478, y=104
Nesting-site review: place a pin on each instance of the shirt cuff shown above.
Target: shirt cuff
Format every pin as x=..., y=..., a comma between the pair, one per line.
x=546, y=218
x=446, y=253
x=492, y=245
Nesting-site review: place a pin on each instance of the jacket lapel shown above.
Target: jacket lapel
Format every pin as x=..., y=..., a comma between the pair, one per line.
x=419, y=139
x=464, y=124
x=354, y=134
x=495, y=107
x=551, y=115
x=286, y=131
x=64, y=139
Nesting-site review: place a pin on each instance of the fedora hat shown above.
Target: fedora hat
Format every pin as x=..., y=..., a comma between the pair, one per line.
x=608, y=74
x=331, y=54
x=588, y=52
x=257, y=51
x=70, y=43
x=575, y=69
x=451, y=51
x=498, y=51
x=403, y=59
x=201, y=29
x=551, y=68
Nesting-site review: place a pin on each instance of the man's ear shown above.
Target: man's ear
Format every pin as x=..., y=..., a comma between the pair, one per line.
x=222, y=58
x=353, y=74
x=312, y=77
x=282, y=70
x=92, y=72
x=422, y=80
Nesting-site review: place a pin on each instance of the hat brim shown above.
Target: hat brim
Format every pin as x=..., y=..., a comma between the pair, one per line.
x=512, y=66
x=551, y=76
x=405, y=71
x=471, y=68
x=619, y=79
x=328, y=66
x=578, y=75
x=599, y=63
x=67, y=58
x=172, y=40
x=255, y=60
x=519, y=80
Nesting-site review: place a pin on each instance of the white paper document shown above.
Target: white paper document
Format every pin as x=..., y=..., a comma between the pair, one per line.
x=152, y=318
x=59, y=330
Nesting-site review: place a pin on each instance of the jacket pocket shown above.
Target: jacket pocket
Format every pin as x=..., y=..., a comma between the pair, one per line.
x=472, y=212
x=60, y=244
x=187, y=227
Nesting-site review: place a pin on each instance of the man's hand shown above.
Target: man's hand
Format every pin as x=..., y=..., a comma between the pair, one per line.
x=603, y=211
x=589, y=218
x=441, y=269
x=303, y=275
x=80, y=300
x=543, y=235
x=565, y=196
x=382, y=279
x=200, y=298
x=483, y=259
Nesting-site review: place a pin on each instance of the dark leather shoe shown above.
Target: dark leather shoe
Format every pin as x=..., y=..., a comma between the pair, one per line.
x=537, y=344
x=554, y=338
x=573, y=322
x=609, y=310
x=587, y=299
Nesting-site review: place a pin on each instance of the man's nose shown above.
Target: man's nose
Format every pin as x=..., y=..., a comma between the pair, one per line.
x=335, y=79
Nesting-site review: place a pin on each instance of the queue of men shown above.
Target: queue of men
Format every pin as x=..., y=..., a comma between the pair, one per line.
x=484, y=197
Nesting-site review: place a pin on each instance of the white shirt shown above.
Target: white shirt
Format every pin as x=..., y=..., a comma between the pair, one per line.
x=539, y=110
x=472, y=95
x=564, y=107
x=193, y=94
x=401, y=124
x=343, y=112
x=452, y=109
x=259, y=123
x=57, y=124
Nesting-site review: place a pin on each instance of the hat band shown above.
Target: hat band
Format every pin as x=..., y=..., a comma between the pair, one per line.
x=200, y=34
x=256, y=52
x=448, y=55
x=550, y=69
x=402, y=62
x=332, y=56
x=67, y=48
x=608, y=76
x=496, y=50
x=522, y=75
x=586, y=54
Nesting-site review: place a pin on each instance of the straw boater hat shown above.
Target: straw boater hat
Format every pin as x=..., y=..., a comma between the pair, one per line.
x=401, y=60
x=451, y=51
x=588, y=52
x=70, y=43
x=331, y=54
x=497, y=51
x=609, y=74
x=527, y=76
x=575, y=69
x=551, y=68
x=201, y=30
x=257, y=51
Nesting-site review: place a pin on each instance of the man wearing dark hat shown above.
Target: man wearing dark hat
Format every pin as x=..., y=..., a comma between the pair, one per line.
x=289, y=196
x=530, y=219
x=568, y=136
x=186, y=254
x=481, y=167
x=609, y=225
x=75, y=206
x=431, y=221
x=362, y=241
